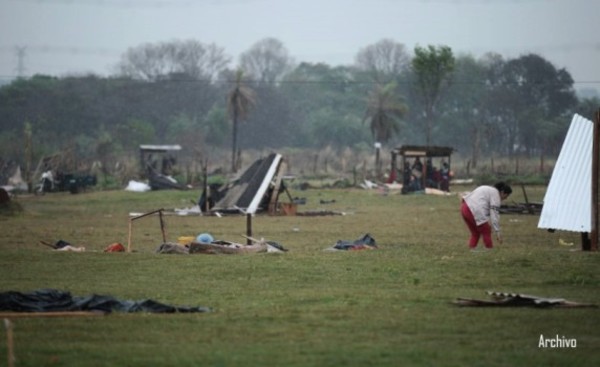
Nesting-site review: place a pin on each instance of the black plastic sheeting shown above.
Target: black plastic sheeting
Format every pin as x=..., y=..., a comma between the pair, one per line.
x=366, y=241
x=52, y=300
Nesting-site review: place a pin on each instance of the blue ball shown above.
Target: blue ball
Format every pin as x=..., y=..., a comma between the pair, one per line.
x=204, y=238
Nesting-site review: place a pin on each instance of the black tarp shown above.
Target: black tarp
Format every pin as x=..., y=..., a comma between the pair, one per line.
x=52, y=300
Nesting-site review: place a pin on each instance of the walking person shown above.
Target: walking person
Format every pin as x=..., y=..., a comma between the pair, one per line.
x=479, y=208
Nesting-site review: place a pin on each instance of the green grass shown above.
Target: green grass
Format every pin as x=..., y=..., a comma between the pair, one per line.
x=306, y=307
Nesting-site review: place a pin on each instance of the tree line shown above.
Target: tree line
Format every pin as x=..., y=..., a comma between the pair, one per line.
x=187, y=92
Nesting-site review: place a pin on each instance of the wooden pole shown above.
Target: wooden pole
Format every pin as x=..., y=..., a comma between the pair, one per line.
x=206, y=187
x=162, y=226
x=129, y=237
x=248, y=228
x=596, y=151
x=9, y=343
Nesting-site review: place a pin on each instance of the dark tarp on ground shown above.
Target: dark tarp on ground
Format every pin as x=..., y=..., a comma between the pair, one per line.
x=52, y=300
x=364, y=242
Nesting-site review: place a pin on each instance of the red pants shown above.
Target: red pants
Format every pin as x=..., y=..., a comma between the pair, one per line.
x=484, y=230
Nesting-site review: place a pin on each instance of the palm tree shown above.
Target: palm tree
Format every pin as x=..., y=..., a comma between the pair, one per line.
x=384, y=109
x=240, y=100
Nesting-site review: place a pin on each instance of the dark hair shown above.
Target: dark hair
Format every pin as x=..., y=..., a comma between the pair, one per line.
x=502, y=187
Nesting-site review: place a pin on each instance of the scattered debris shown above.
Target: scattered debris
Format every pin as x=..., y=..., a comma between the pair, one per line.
x=564, y=243
x=159, y=181
x=365, y=242
x=185, y=240
x=256, y=189
x=519, y=300
x=204, y=243
x=115, y=247
x=172, y=248
x=193, y=210
x=522, y=208
x=72, y=248
x=226, y=247
x=316, y=213
x=207, y=245
x=137, y=186
x=299, y=201
x=322, y=201
x=367, y=185
x=61, y=245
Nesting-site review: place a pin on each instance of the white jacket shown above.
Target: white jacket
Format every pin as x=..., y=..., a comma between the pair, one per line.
x=484, y=203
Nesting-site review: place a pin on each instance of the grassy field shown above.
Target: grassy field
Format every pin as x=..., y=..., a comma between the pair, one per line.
x=306, y=307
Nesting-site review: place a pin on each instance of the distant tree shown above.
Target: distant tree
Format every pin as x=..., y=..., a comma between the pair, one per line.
x=532, y=91
x=494, y=105
x=134, y=132
x=266, y=61
x=329, y=128
x=161, y=60
x=384, y=110
x=462, y=109
x=215, y=125
x=588, y=107
x=317, y=93
x=433, y=67
x=383, y=61
x=240, y=100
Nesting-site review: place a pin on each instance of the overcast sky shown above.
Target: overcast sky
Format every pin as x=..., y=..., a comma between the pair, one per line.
x=62, y=37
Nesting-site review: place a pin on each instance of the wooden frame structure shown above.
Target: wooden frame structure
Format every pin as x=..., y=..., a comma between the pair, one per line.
x=162, y=226
x=418, y=151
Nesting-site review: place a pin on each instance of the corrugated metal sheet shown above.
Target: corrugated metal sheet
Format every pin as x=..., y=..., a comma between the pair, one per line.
x=568, y=200
x=250, y=188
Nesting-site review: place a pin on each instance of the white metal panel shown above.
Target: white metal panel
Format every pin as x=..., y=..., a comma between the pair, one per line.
x=264, y=185
x=568, y=200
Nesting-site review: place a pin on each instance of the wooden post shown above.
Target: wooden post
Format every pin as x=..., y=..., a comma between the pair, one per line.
x=596, y=151
x=248, y=229
x=129, y=236
x=9, y=343
x=162, y=226
x=205, y=185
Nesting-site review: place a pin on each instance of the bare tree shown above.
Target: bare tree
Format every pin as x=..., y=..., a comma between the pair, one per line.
x=267, y=60
x=383, y=60
x=192, y=58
